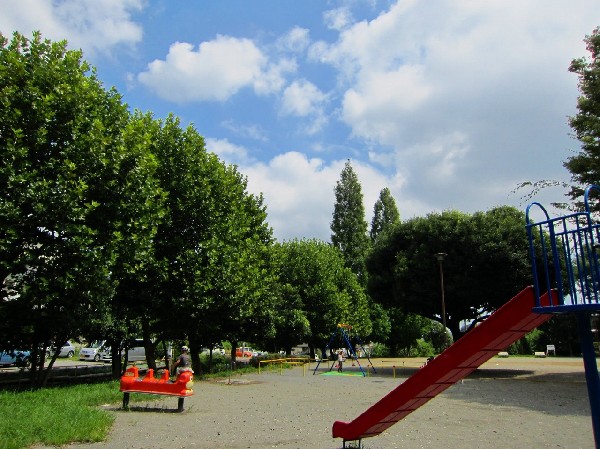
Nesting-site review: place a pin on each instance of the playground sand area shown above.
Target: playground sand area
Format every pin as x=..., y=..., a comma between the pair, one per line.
x=510, y=402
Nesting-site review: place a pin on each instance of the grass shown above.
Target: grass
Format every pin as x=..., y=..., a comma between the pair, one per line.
x=57, y=416
x=61, y=415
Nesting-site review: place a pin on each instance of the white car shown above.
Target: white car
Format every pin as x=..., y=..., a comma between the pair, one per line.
x=67, y=350
x=216, y=350
x=93, y=351
x=136, y=353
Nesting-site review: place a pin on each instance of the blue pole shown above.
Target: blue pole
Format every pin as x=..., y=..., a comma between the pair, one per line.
x=591, y=371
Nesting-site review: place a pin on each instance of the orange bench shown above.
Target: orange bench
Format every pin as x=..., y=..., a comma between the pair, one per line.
x=180, y=387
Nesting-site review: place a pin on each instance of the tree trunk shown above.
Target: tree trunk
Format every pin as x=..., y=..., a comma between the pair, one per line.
x=148, y=346
x=233, y=357
x=195, y=356
x=116, y=362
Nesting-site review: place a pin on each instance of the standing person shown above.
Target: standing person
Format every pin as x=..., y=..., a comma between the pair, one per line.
x=340, y=360
x=183, y=362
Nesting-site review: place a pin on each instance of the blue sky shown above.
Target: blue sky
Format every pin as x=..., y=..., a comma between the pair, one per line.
x=449, y=104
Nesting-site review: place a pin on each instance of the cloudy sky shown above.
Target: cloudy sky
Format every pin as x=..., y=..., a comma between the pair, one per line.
x=449, y=104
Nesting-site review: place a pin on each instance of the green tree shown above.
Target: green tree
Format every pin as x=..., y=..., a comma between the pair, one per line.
x=407, y=328
x=61, y=142
x=349, y=228
x=385, y=214
x=328, y=293
x=214, y=244
x=486, y=265
x=291, y=321
x=139, y=211
x=585, y=166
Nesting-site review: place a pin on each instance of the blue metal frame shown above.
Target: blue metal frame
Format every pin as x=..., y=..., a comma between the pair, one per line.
x=564, y=261
x=351, y=352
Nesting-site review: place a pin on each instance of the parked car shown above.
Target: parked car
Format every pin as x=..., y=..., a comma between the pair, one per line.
x=66, y=350
x=244, y=352
x=216, y=350
x=15, y=358
x=93, y=351
x=135, y=353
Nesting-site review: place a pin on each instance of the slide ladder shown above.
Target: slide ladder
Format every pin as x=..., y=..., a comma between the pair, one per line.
x=505, y=326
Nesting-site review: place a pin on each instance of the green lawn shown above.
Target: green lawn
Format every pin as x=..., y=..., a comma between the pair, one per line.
x=57, y=416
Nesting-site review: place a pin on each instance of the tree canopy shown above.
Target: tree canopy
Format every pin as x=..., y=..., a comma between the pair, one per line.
x=486, y=264
x=324, y=290
x=63, y=159
x=115, y=223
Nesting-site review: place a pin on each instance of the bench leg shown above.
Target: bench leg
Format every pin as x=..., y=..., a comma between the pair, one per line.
x=180, y=404
x=126, y=401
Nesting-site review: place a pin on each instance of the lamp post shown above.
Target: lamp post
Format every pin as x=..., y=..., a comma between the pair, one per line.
x=440, y=258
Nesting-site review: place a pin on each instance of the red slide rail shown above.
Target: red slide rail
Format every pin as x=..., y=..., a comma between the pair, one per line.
x=505, y=326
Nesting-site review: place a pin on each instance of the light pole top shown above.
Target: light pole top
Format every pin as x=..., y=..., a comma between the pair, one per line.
x=440, y=256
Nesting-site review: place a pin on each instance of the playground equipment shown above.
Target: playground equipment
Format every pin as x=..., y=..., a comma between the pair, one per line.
x=181, y=387
x=566, y=274
x=568, y=250
x=509, y=323
x=342, y=331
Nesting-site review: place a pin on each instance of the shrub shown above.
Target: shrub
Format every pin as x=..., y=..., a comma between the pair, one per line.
x=422, y=349
x=380, y=350
x=219, y=363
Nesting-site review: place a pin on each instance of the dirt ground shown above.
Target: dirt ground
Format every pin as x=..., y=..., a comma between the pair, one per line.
x=507, y=403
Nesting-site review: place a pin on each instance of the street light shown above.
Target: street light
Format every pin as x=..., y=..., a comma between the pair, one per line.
x=440, y=258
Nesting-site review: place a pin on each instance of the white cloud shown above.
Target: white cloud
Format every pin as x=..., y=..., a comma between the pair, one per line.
x=214, y=72
x=296, y=40
x=469, y=95
x=373, y=106
x=302, y=98
x=227, y=151
x=94, y=26
x=298, y=192
x=272, y=79
x=217, y=70
x=338, y=19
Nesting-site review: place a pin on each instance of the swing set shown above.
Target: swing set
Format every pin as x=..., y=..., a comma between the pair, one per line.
x=343, y=332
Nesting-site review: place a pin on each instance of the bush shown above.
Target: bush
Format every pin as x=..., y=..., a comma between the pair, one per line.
x=422, y=349
x=380, y=350
x=219, y=363
x=528, y=344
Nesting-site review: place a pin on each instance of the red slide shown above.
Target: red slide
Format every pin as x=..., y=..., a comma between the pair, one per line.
x=505, y=326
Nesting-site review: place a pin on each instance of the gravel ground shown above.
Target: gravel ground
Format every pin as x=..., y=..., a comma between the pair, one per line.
x=507, y=403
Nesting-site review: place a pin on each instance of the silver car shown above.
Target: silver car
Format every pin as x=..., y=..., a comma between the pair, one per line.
x=93, y=351
x=66, y=350
x=136, y=353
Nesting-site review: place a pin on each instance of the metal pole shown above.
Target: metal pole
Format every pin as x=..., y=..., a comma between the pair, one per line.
x=591, y=371
x=440, y=257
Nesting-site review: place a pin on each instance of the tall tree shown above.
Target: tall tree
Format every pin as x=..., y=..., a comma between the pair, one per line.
x=214, y=243
x=385, y=213
x=585, y=166
x=61, y=144
x=349, y=227
x=140, y=209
